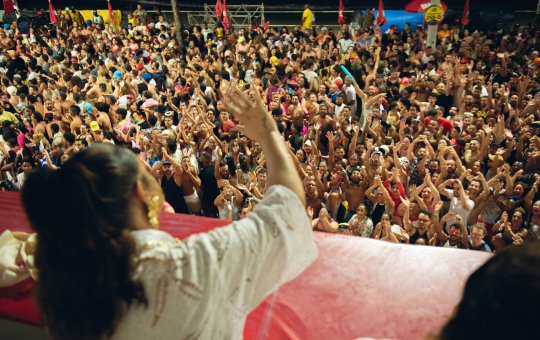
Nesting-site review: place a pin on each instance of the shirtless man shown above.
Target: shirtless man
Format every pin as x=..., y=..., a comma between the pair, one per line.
x=260, y=184
x=39, y=124
x=326, y=124
x=477, y=151
x=324, y=221
x=354, y=190
x=314, y=195
x=66, y=103
x=102, y=116
x=190, y=183
x=374, y=167
x=478, y=191
x=76, y=120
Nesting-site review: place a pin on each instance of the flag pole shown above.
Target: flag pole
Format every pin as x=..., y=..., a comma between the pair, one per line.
x=431, y=40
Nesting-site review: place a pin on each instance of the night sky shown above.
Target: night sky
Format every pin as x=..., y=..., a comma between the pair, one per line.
x=388, y=4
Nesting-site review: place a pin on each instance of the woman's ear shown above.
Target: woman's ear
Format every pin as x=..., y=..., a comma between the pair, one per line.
x=140, y=193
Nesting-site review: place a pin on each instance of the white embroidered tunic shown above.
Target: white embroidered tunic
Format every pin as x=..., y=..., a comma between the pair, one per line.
x=203, y=287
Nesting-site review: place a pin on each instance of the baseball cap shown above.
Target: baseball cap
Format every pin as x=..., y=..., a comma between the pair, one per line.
x=94, y=126
x=117, y=75
x=376, y=150
x=88, y=108
x=147, y=77
x=150, y=103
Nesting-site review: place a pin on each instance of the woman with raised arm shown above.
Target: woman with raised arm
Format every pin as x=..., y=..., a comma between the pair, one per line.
x=106, y=272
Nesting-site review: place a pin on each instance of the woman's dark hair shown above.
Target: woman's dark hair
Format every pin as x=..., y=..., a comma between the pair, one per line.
x=389, y=215
x=504, y=291
x=84, y=255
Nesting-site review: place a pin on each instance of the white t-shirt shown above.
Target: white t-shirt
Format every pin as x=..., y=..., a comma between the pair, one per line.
x=338, y=109
x=345, y=44
x=204, y=287
x=309, y=75
x=457, y=208
x=159, y=25
x=350, y=93
x=20, y=180
x=205, y=32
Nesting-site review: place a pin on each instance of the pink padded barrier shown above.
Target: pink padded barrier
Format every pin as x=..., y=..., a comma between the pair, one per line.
x=356, y=288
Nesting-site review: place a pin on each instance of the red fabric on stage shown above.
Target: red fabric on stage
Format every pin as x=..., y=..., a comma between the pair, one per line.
x=356, y=288
x=381, y=18
x=218, y=10
x=8, y=7
x=465, y=16
x=111, y=15
x=341, y=16
x=53, y=16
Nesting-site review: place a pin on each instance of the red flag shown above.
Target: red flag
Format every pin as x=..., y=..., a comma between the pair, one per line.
x=265, y=26
x=465, y=17
x=341, y=17
x=226, y=21
x=53, y=16
x=8, y=7
x=416, y=6
x=111, y=15
x=381, y=18
x=218, y=10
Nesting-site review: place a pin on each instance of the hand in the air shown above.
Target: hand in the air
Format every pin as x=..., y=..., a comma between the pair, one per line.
x=255, y=121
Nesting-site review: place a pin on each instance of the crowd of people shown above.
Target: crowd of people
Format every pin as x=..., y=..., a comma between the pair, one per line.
x=410, y=144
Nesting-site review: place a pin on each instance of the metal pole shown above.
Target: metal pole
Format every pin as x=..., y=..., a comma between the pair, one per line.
x=432, y=29
x=262, y=12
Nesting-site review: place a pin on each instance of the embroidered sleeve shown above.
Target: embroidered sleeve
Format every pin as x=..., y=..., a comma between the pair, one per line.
x=252, y=257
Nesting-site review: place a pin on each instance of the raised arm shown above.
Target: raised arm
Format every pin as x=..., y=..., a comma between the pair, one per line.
x=331, y=149
x=406, y=216
x=440, y=222
x=354, y=140
x=530, y=195
x=177, y=167
x=429, y=183
x=465, y=202
x=464, y=232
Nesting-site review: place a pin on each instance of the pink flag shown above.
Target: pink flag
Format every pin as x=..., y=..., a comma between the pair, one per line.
x=111, y=15
x=8, y=7
x=381, y=18
x=341, y=16
x=218, y=10
x=465, y=17
x=53, y=16
x=226, y=21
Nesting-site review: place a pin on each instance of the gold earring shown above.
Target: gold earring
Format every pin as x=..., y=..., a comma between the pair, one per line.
x=154, y=208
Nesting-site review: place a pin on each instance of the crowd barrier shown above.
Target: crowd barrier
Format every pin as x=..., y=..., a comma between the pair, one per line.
x=356, y=288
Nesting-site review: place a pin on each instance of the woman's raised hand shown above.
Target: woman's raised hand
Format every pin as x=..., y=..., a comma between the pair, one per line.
x=255, y=121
